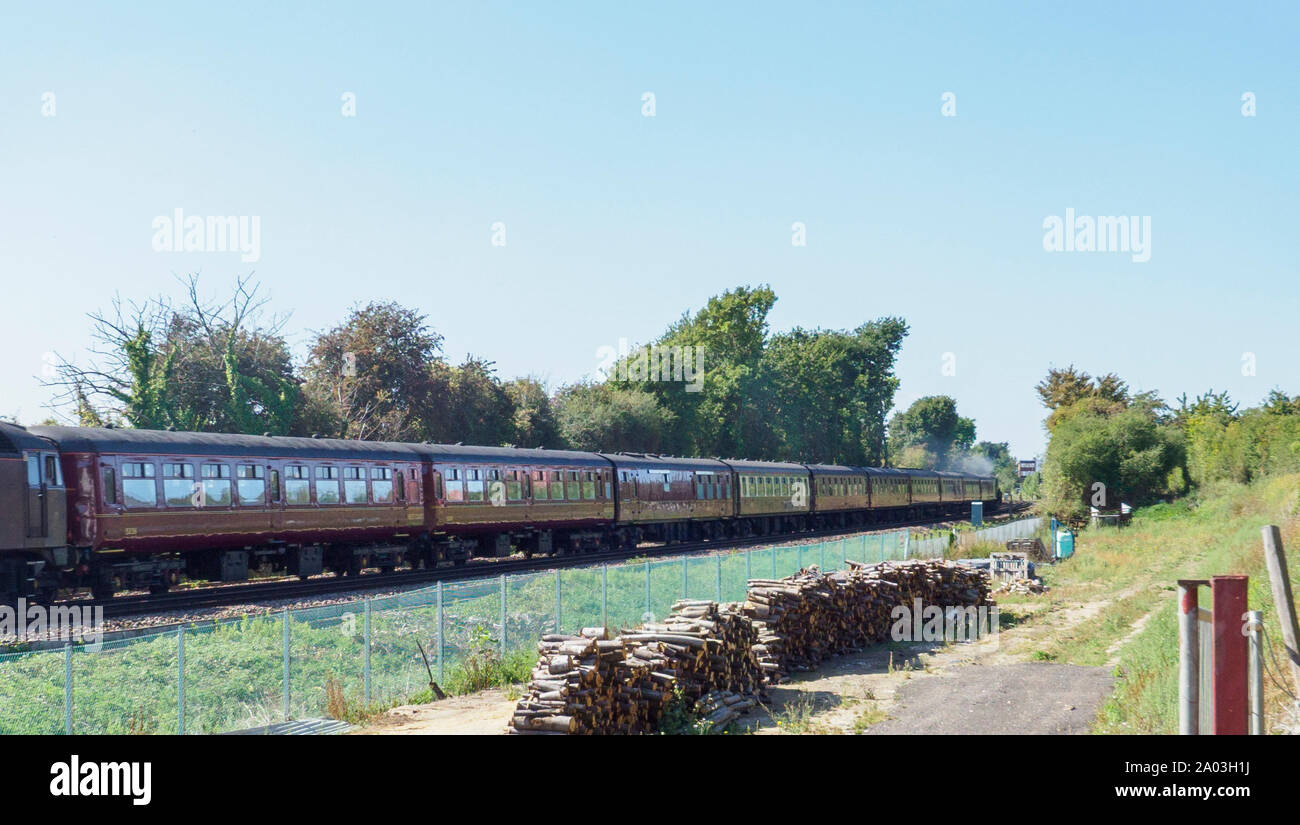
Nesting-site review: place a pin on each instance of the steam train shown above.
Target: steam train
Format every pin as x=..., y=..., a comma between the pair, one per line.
x=122, y=508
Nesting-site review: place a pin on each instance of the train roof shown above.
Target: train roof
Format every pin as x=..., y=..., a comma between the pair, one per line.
x=887, y=471
x=15, y=438
x=835, y=470
x=653, y=461
x=166, y=442
x=163, y=442
x=511, y=455
x=764, y=466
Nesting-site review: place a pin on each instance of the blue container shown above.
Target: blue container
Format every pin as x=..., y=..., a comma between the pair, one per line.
x=1064, y=544
x=977, y=513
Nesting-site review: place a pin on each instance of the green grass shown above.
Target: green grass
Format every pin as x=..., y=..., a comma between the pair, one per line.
x=234, y=671
x=1136, y=568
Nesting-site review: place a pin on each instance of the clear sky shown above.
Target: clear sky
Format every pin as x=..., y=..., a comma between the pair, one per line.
x=531, y=114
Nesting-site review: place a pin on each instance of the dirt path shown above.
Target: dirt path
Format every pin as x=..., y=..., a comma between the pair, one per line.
x=481, y=713
x=986, y=687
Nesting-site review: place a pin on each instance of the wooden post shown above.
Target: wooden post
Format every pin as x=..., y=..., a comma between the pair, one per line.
x=1189, y=648
x=1231, y=700
x=1277, y=575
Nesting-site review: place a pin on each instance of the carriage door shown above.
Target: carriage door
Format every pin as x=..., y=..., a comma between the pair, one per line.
x=38, y=521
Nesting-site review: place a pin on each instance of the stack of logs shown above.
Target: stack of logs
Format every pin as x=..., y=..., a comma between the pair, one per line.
x=809, y=616
x=719, y=657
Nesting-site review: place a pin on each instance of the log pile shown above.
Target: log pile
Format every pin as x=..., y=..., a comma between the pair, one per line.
x=719, y=657
x=805, y=618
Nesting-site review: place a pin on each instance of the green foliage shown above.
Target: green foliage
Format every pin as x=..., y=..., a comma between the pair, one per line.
x=812, y=395
x=1103, y=452
x=201, y=366
x=1223, y=444
x=679, y=718
x=377, y=374
x=930, y=434
x=534, y=420
x=608, y=417
x=1065, y=388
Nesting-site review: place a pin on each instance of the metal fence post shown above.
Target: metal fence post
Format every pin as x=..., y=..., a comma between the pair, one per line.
x=647, y=591
x=503, y=615
x=1254, y=628
x=1189, y=649
x=180, y=680
x=368, y=653
x=749, y=568
x=821, y=549
x=684, y=594
x=67, y=689
x=800, y=549
x=559, y=604
x=718, y=568
x=773, y=562
x=440, y=668
x=284, y=622
x=604, y=595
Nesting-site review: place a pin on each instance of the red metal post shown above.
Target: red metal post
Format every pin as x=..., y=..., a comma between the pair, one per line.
x=1231, y=698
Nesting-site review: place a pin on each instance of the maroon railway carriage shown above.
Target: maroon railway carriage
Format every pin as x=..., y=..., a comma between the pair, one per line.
x=490, y=499
x=671, y=499
x=146, y=505
x=840, y=497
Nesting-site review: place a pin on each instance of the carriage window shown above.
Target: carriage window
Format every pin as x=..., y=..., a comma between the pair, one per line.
x=572, y=489
x=455, y=486
x=53, y=475
x=327, y=485
x=473, y=486
x=381, y=485
x=297, y=485
x=539, y=488
x=354, y=485
x=110, y=485
x=514, y=488
x=249, y=478
x=589, y=486
x=275, y=485
x=557, y=486
x=399, y=488
x=178, y=485
x=216, y=486
x=138, y=488
x=493, y=475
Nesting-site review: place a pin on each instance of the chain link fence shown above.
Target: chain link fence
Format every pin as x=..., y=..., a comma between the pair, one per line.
x=244, y=673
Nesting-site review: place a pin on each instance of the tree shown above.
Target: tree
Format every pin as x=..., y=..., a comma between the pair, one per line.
x=930, y=432
x=607, y=417
x=481, y=411
x=216, y=367
x=1101, y=456
x=534, y=422
x=380, y=373
x=1067, y=387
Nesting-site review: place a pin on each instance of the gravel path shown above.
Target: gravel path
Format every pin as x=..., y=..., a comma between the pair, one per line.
x=1017, y=698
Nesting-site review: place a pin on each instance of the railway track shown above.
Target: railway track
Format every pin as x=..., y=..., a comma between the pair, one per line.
x=226, y=595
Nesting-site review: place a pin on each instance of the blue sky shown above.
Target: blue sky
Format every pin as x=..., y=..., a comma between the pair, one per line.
x=616, y=223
